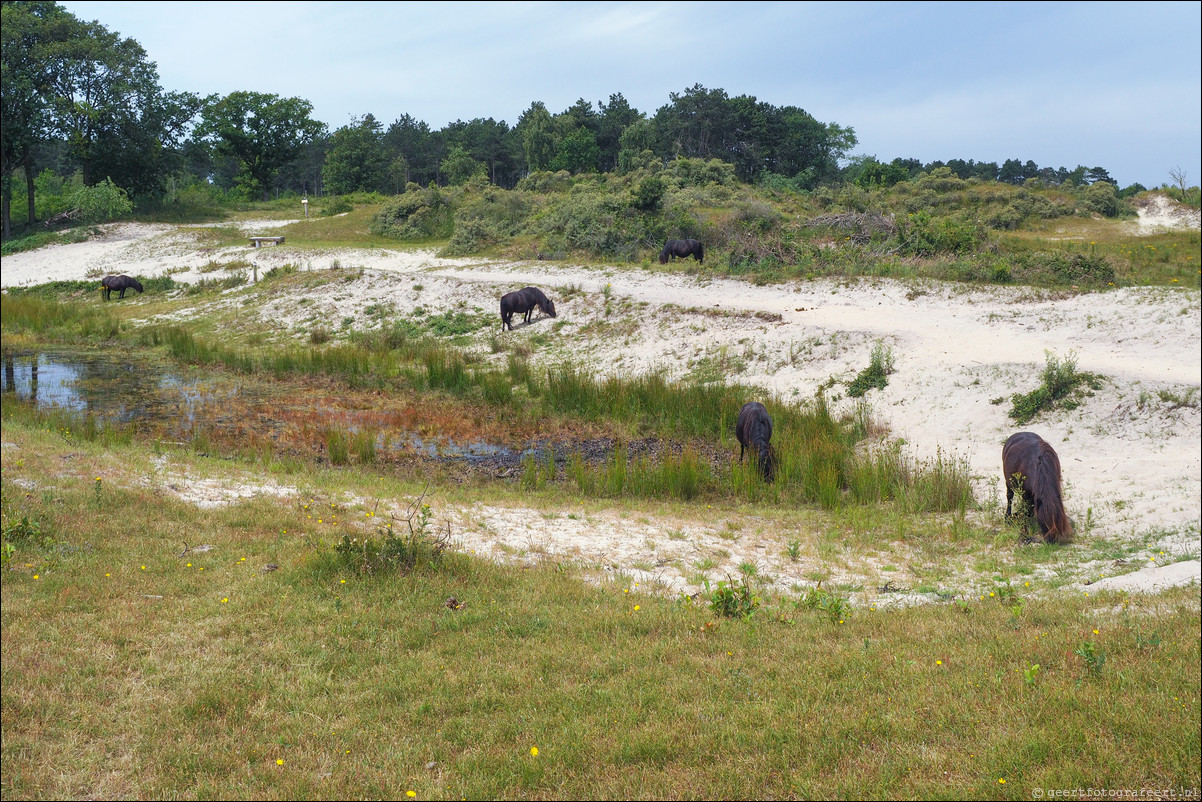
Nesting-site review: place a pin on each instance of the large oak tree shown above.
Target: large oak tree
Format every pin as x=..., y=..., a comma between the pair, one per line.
x=263, y=132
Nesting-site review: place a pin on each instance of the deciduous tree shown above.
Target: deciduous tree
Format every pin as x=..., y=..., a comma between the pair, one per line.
x=262, y=132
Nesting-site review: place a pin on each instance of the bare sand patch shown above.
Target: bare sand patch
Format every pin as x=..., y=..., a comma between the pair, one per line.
x=1158, y=213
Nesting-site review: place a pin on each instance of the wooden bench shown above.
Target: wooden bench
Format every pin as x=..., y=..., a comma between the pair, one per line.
x=257, y=241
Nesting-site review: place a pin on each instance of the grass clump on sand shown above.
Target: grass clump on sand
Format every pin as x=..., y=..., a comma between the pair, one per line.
x=1061, y=387
x=876, y=375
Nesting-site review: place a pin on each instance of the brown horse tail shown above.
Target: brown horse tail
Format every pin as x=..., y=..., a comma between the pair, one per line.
x=1045, y=487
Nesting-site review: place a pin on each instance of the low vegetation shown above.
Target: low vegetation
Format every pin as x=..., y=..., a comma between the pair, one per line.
x=876, y=375
x=388, y=605
x=1061, y=387
x=158, y=644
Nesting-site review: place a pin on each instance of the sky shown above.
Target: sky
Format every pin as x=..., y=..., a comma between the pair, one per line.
x=1116, y=85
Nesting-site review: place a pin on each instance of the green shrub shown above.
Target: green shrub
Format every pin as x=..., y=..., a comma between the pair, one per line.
x=396, y=546
x=418, y=214
x=545, y=181
x=833, y=606
x=491, y=217
x=733, y=599
x=337, y=204
x=100, y=203
x=54, y=194
x=686, y=172
x=920, y=234
x=1101, y=197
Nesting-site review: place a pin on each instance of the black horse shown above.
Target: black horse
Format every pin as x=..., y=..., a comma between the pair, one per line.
x=683, y=248
x=754, y=429
x=1030, y=464
x=122, y=283
x=524, y=300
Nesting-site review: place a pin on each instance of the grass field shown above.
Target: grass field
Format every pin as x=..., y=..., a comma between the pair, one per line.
x=135, y=670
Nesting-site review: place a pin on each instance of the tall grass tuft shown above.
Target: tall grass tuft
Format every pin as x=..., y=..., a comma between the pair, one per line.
x=684, y=475
x=613, y=473
x=876, y=375
x=495, y=387
x=814, y=456
x=686, y=409
x=338, y=446
x=70, y=424
x=887, y=473
x=364, y=446
x=445, y=371
x=943, y=484
x=538, y=469
x=30, y=314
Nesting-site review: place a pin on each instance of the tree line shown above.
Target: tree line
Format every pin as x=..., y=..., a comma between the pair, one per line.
x=79, y=99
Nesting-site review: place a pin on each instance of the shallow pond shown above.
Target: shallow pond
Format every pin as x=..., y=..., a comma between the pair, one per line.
x=181, y=405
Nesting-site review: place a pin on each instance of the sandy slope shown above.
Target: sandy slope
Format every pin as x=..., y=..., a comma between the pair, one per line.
x=1131, y=458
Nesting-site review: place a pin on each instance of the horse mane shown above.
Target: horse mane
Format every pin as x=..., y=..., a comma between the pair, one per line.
x=1045, y=488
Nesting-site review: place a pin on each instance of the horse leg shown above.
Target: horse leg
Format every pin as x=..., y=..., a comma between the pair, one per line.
x=1009, y=500
x=1032, y=511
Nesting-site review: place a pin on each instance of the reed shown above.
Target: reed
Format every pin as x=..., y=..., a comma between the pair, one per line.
x=50, y=319
x=363, y=443
x=338, y=445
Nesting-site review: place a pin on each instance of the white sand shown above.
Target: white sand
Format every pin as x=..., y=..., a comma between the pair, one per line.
x=1131, y=456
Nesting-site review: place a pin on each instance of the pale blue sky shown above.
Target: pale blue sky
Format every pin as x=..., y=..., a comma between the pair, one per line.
x=1110, y=84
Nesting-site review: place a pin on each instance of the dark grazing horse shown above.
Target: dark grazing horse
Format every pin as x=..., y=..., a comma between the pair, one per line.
x=683, y=248
x=1031, y=465
x=754, y=430
x=524, y=300
x=122, y=283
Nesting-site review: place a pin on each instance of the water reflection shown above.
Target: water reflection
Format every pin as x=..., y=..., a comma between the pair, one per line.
x=105, y=386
